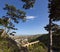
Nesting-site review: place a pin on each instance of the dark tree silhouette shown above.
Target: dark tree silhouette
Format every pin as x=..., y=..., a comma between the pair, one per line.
x=28, y=3
x=54, y=15
x=55, y=28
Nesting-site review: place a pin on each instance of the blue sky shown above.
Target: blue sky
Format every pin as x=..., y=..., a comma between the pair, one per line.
x=37, y=17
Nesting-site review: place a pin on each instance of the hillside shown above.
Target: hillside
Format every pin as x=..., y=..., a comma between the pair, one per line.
x=38, y=47
x=45, y=40
x=8, y=45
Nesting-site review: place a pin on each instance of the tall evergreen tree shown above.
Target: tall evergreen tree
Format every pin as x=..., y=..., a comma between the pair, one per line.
x=54, y=10
x=14, y=14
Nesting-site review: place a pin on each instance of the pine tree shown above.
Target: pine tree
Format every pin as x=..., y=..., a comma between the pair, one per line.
x=54, y=15
x=14, y=14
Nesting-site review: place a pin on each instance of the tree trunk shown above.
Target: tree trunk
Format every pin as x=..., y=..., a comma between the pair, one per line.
x=3, y=33
x=8, y=25
x=50, y=36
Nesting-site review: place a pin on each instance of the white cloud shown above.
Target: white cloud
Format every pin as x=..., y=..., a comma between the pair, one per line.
x=30, y=17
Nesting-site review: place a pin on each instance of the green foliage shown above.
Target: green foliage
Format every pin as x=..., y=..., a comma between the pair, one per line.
x=32, y=39
x=54, y=10
x=56, y=41
x=55, y=28
x=38, y=47
x=13, y=14
x=28, y=3
x=45, y=40
x=8, y=45
x=4, y=21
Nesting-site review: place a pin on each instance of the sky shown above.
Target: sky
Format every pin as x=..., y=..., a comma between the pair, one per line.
x=37, y=17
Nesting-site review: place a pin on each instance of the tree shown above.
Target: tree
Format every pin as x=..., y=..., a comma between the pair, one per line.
x=55, y=28
x=14, y=14
x=54, y=15
x=4, y=22
x=28, y=3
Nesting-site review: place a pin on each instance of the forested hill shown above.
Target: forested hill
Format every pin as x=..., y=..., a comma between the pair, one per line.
x=45, y=40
